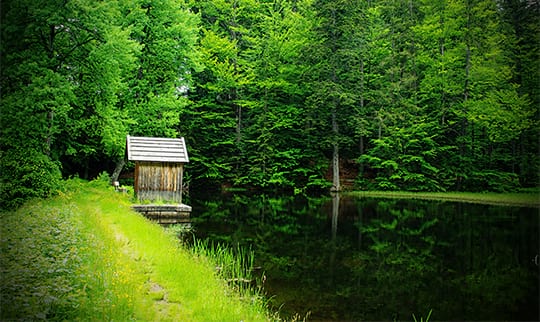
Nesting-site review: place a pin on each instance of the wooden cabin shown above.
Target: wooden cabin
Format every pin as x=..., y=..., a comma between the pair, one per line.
x=159, y=167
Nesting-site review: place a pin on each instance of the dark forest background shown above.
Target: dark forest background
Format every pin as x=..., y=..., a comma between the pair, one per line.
x=423, y=95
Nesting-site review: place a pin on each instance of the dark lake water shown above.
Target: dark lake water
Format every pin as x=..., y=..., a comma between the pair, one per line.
x=351, y=259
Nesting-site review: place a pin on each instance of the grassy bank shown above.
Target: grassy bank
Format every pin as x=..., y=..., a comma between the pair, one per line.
x=502, y=199
x=86, y=256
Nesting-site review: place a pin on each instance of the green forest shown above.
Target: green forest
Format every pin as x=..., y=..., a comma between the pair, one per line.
x=294, y=95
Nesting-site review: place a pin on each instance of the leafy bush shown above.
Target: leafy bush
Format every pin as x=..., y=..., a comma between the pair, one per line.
x=103, y=180
x=27, y=174
x=492, y=180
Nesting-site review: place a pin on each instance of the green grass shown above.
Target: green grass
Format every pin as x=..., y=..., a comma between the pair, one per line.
x=86, y=256
x=421, y=318
x=492, y=198
x=234, y=265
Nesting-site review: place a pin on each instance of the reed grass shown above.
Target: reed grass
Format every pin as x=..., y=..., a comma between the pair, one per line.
x=501, y=199
x=96, y=260
x=422, y=318
x=233, y=265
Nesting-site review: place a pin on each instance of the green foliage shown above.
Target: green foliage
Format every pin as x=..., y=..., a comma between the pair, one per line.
x=103, y=180
x=492, y=180
x=408, y=159
x=62, y=73
x=504, y=114
x=427, y=95
x=156, y=92
x=27, y=174
x=246, y=123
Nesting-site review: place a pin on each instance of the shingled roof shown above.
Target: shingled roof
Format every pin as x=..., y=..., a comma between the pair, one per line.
x=151, y=149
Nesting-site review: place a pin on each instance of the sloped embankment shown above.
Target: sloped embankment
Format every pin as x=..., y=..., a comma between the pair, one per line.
x=85, y=255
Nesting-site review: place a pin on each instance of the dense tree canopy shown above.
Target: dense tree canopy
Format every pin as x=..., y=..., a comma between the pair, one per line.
x=289, y=94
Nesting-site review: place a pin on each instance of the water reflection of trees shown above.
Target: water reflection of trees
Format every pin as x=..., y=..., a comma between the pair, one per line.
x=457, y=260
x=386, y=259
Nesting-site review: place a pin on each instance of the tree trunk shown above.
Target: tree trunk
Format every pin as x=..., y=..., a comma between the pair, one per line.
x=117, y=170
x=335, y=168
x=362, y=148
x=48, y=147
x=362, y=106
x=335, y=144
x=335, y=154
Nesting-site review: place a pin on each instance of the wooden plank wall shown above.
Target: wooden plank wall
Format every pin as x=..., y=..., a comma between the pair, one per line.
x=159, y=181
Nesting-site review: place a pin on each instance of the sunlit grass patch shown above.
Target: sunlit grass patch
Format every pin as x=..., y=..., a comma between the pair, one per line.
x=60, y=263
x=86, y=256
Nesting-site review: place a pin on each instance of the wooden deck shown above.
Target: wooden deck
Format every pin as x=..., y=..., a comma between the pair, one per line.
x=165, y=213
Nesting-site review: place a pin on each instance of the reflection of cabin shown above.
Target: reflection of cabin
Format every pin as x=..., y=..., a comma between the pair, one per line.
x=159, y=167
